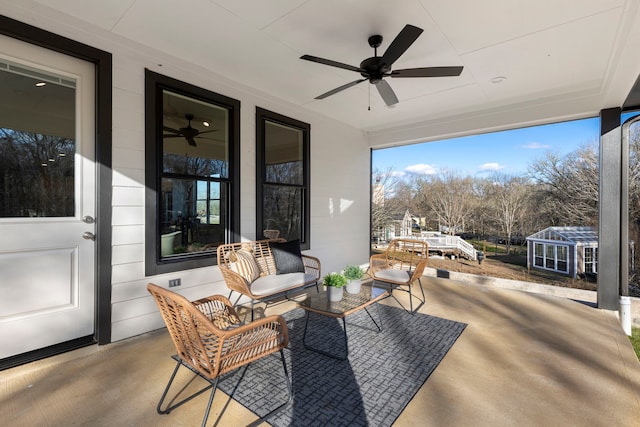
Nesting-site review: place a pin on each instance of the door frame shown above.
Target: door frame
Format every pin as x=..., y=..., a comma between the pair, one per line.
x=103, y=151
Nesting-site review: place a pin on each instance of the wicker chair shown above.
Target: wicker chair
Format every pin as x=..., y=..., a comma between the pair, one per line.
x=400, y=266
x=209, y=351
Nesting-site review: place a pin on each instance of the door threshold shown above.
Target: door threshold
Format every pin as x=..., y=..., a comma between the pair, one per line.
x=43, y=353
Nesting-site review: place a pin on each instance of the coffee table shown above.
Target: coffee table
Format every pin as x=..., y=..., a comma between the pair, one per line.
x=350, y=303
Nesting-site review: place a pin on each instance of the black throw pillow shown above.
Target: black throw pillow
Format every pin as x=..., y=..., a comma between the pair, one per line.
x=287, y=257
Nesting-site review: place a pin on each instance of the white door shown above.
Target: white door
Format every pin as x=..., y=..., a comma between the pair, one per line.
x=47, y=198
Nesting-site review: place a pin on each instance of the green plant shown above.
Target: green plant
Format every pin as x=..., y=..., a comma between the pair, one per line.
x=334, y=279
x=353, y=272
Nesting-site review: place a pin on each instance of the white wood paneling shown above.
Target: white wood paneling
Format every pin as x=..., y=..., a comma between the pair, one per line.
x=126, y=235
x=127, y=196
x=127, y=253
x=127, y=215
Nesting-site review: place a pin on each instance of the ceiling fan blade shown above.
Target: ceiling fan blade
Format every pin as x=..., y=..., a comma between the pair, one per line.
x=401, y=43
x=168, y=129
x=171, y=135
x=428, y=72
x=332, y=63
x=208, y=131
x=388, y=95
x=339, y=89
x=209, y=139
x=191, y=141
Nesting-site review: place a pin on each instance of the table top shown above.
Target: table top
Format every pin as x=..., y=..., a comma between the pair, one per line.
x=350, y=303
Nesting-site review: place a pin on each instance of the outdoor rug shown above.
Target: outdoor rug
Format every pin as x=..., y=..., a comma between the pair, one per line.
x=383, y=372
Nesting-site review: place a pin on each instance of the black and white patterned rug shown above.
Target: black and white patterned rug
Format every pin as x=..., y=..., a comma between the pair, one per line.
x=383, y=372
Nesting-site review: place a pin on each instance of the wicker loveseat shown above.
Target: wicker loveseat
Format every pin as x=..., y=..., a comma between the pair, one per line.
x=265, y=269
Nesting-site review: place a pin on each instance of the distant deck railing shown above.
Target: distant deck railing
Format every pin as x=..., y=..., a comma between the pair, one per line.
x=446, y=243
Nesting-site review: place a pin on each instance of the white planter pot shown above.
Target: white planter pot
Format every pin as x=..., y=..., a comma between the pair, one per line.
x=334, y=294
x=167, y=242
x=353, y=287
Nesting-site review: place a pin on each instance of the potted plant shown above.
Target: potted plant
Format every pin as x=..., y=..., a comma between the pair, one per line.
x=334, y=283
x=353, y=273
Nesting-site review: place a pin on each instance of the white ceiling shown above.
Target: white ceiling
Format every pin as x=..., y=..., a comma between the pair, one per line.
x=561, y=59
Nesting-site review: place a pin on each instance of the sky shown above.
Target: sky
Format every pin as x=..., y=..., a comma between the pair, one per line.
x=508, y=152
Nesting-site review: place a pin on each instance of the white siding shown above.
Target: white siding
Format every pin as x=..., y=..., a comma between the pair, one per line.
x=339, y=175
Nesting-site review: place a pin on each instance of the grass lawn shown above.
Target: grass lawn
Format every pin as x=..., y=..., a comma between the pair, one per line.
x=635, y=340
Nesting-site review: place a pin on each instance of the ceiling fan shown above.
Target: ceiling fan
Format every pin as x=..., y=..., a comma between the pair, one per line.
x=189, y=133
x=377, y=67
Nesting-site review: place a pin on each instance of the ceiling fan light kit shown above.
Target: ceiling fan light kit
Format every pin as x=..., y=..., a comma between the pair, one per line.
x=376, y=68
x=189, y=133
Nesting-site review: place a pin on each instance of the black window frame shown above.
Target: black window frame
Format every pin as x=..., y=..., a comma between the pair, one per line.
x=155, y=84
x=262, y=116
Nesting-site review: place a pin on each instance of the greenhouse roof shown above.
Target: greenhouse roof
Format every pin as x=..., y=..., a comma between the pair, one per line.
x=576, y=234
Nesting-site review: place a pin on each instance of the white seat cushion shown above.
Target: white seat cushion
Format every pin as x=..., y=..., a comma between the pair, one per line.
x=393, y=275
x=273, y=283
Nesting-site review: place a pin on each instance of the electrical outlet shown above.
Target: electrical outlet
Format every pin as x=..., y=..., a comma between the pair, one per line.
x=174, y=282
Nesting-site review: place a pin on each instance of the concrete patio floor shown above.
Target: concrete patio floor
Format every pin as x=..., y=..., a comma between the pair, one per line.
x=524, y=359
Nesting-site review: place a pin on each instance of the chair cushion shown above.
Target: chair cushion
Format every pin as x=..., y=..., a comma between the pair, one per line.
x=225, y=320
x=246, y=265
x=271, y=284
x=393, y=275
x=287, y=257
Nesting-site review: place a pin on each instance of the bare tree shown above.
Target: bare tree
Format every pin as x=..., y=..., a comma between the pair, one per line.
x=509, y=195
x=451, y=199
x=384, y=202
x=569, y=185
x=37, y=174
x=482, y=216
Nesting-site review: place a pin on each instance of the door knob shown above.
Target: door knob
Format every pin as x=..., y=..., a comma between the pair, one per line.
x=87, y=235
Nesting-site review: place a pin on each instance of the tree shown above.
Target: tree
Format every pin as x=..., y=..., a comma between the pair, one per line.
x=451, y=198
x=569, y=186
x=37, y=174
x=384, y=203
x=510, y=195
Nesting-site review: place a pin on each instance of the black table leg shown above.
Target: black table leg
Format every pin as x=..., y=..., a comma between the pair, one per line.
x=317, y=350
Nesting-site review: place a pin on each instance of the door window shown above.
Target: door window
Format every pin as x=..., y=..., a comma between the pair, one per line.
x=37, y=143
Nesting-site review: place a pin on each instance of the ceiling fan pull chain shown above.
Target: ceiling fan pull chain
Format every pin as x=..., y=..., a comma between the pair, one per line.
x=369, y=97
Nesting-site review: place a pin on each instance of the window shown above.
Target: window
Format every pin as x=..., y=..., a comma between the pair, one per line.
x=590, y=260
x=561, y=258
x=282, y=176
x=192, y=139
x=38, y=149
x=551, y=257
x=539, y=255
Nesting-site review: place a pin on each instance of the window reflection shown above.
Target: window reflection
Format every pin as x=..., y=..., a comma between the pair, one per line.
x=283, y=174
x=195, y=168
x=37, y=143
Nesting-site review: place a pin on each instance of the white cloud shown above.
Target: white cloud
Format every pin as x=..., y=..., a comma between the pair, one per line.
x=535, y=146
x=399, y=174
x=491, y=167
x=421, y=169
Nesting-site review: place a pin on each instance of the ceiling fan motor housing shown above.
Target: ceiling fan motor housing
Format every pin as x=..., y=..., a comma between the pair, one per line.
x=374, y=68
